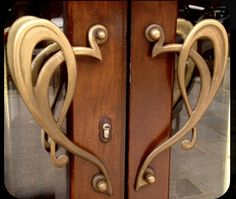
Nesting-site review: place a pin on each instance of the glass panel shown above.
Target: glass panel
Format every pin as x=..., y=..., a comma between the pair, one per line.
x=28, y=169
x=204, y=171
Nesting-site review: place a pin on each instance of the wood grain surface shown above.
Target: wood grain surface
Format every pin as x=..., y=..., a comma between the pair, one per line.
x=100, y=91
x=150, y=96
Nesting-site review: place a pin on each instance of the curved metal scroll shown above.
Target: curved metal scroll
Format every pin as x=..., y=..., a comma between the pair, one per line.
x=33, y=80
x=214, y=31
x=183, y=28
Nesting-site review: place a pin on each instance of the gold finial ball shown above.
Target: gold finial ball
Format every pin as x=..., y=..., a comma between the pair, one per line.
x=154, y=34
x=101, y=34
x=102, y=186
x=150, y=178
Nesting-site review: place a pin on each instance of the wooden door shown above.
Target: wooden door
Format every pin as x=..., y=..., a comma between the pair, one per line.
x=150, y=96
x=141, y=118
x=126, y=84
x=100, y=91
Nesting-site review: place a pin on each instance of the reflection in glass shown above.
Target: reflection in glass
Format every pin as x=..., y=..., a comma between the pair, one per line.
x=28, y=169
x=203, y=172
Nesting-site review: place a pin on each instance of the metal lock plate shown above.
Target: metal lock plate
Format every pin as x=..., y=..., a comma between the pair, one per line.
x=105, y=129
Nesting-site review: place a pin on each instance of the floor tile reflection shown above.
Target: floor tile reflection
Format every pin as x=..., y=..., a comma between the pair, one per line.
x=203, y=172
x=29, y=172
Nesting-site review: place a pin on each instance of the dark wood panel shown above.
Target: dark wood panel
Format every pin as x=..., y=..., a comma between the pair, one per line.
x=100, y=91
x=150, y=96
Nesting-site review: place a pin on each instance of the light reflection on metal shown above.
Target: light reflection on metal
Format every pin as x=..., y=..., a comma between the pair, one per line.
x=183, y=28
x=33, y=79
x=149, y=176
x=210, y=29
x=99, y=183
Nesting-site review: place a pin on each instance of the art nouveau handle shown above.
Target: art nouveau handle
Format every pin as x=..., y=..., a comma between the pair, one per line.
x=32, y=79
x=214, y=31
x=182, y=30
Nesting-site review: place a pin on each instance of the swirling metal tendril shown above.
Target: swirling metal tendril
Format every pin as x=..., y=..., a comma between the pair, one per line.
x=33, y=79
x=214, y=31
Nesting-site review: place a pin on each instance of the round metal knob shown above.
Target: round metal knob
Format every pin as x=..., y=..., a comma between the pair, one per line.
x=101, y=186
x=101, y=34
x=154, y=34
x=149, y=176
x=99, y=183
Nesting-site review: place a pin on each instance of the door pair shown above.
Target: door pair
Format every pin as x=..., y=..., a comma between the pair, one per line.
x=119, y=91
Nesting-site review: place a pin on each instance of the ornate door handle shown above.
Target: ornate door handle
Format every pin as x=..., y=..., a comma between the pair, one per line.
x=182, y=30
x=32, y=79
x=214, y=31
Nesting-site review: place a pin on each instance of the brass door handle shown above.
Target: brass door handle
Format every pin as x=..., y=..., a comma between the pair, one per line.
x=183, y=28
x=214, y=31
x=32, y=78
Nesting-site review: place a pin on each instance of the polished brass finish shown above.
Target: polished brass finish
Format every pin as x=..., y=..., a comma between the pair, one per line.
x=183, y=28
x=155, y=34
x=214, y=31
x=152, y=33
x=33, y=79
x=149, y=176
x=102, y=186
x=99, y=183
x=62, y=160
x=101, y=35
